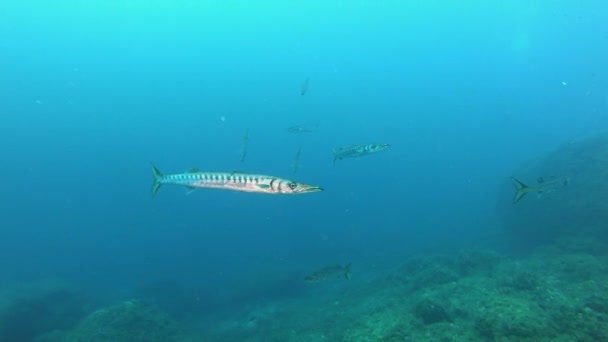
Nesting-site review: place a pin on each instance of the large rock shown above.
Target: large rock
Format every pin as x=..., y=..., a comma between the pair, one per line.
x=31, y=311
x=130, y=321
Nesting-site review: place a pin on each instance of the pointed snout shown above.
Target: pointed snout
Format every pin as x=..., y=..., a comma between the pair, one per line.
x=305, y=188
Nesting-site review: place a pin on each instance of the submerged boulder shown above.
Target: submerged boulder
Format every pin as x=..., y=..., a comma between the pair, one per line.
x=580, y=208
x=431, y=311
x=511, y=319
x=35, y=311
x=133, y=321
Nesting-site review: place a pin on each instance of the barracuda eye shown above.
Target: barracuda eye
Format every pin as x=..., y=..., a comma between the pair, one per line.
x=292, y=185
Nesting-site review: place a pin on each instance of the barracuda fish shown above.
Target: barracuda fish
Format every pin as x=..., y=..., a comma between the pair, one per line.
x=236, y=181
x=295, y=166
x=302, y=129
x=358, y=151
x=540, y=187
x=304, y=87
x=244, y=146
x=329, y=272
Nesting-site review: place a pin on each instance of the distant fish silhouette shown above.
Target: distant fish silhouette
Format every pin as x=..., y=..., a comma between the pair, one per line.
x=304, y=88
x=244, y=146
x=541, y=186
x=329, y=272
x=356, y=151
x=302, y=129
x=295, y=166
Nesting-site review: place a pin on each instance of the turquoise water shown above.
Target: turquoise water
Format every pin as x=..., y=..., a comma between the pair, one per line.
x=93, y=91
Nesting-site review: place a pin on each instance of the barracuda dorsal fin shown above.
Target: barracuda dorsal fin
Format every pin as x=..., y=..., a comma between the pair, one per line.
x=236, y=172
x=194, y=170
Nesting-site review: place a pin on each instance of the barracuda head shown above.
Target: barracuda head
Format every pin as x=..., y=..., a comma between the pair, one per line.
x=378, y=147
x=300, y=188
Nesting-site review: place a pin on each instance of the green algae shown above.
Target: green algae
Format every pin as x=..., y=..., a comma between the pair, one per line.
x=558, y=293
x=486, y=297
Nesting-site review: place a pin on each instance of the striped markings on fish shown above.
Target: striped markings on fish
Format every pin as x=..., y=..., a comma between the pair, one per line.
x=541, y=186
x=358, y=151
x=329, y=272
x=236, y=181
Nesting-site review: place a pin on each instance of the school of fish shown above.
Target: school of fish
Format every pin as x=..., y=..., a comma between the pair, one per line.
x=256, y=183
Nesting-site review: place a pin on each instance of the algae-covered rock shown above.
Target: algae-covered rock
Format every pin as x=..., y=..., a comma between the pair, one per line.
x=132, y=321
x=516, y=277
x=433, y=276
x=576, y=245
x=418, y=273
x=32, y=311
x=580, y=208
x=385, y=325
x=477, y=261
x=511, y=318
x=431, y=311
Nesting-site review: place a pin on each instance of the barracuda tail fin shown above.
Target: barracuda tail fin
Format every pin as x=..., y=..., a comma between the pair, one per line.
x=336, y=155
x=521, y=190
x=157, y=176
x=347, y=271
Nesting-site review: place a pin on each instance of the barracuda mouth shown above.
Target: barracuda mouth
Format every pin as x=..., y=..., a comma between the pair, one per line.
x=304, y=189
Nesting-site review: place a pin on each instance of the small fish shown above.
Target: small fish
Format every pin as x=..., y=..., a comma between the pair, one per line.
x=244, y=146
x=541, y=186
x=358, y=151
x=295, y=166
x=329, y=272
x=304, y=88
x=237, y=181
x=302, y=129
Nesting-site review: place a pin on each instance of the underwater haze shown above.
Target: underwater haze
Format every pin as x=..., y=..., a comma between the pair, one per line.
x=93, y=92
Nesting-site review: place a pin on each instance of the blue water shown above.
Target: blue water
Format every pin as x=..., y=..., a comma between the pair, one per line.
x=91, y=92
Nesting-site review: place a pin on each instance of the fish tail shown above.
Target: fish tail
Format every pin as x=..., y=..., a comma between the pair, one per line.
x=521, y=190
x=157, y=176
x=335, y=155
x=347, y=271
